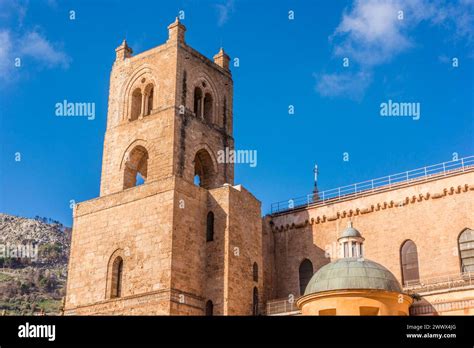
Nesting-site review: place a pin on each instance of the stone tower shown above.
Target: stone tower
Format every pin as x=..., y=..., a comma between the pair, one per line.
x=170, y=233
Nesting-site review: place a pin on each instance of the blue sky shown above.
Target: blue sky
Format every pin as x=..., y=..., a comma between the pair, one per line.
x=283, y=62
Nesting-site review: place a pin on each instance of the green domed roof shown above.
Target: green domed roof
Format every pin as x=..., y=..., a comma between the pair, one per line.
x=352, y=273
x=350, y=232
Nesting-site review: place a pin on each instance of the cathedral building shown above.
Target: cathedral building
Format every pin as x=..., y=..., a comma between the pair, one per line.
x=172, y=234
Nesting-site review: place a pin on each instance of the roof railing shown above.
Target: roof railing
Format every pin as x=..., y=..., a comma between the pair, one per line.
x=355, y=190
x=448, y=281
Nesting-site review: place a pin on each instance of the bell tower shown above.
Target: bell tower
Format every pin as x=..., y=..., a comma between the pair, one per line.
x=169, y=234
x=170, y=112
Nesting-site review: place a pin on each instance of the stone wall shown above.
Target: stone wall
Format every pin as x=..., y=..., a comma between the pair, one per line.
x=137, y=223
x=155, y=132
x=244, y=248
x=192, y=132
x=431, y=213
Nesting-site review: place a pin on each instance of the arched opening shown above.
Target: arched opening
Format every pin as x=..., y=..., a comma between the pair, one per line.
x=355, y=249
x=466, y=250
x=210, y=227
x=409, y=261
x=209, y=308
x=346, y=249
x=305, y=274
x=116, y=280
x=204, y=172
x=255, y=272
x=149, y=103
x=223, y=124
x=136, y=167
x=198, y=102
x=184, y=89
x=136, y=104
x=255, y=302
x=208, y=108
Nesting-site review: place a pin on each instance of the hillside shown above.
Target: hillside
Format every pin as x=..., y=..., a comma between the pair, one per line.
x=33, y=265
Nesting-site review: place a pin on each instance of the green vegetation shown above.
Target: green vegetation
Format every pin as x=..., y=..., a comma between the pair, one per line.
x=5, y=277
x=25, y=306
x=50, y=252
x=50, y=305
x=32, y=286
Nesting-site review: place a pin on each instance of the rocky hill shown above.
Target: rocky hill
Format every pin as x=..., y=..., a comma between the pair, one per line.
x=33, y=265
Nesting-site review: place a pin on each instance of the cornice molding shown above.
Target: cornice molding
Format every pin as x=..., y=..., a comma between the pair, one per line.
x=321, y=219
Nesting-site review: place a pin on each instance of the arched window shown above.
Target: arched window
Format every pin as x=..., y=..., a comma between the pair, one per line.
x=208, y=108
x=224, y=114
x=203, y=170
x=209, y=308
x=117, y=273
x=255, y=301
x=184, y=89
x=409, y=260
x=466, y=250
x=255, y=272
x=210, y=227
x=136, y=109
x=149, y=102
x=136, y=167
x=305, y=273
x=198, y=102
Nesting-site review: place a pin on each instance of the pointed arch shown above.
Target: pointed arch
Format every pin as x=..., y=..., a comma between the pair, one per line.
x=115, y=274
x=255, y=272
x=208, y=108
x=146, y=73
x=135, y=166
x=205, y=168
x=305, y=272
x=206, y=100
x=149, y=94
x=197, y=109
x=466, y=250
x=409, y=263
x=136, y=108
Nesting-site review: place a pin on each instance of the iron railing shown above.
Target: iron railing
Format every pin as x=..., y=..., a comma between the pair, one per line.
x=436, y=308
x=281, y=307
x=373, y=185
x=449, y=281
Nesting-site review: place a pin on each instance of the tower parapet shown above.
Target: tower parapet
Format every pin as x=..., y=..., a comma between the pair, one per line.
x=123, y=51
x=176, y=32
x=222, y=59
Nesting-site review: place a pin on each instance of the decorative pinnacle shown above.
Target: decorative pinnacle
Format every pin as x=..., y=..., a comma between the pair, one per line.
x=176, y=31
x=222, y=59
x=123, y=51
